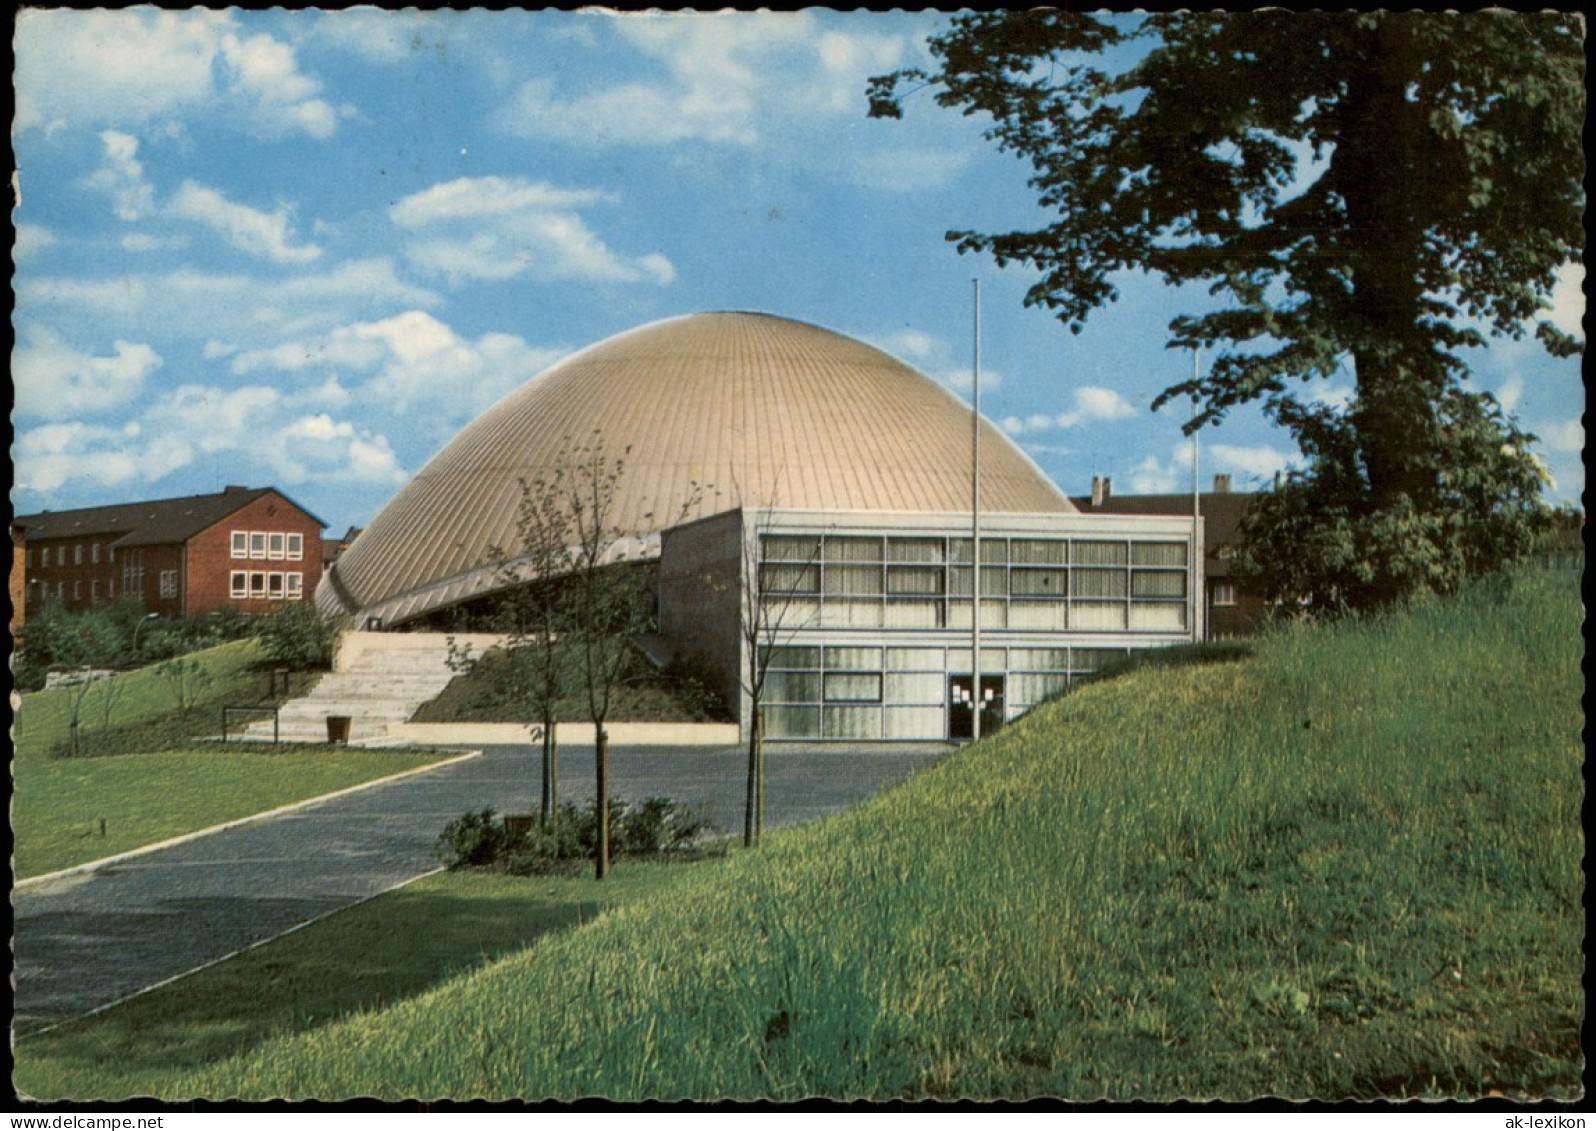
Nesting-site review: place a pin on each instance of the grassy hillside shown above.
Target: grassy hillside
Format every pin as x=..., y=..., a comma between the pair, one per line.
x=1346, y=867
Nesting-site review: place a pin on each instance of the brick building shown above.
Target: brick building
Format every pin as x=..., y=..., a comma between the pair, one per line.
x=245, y=548
x=1232, y=608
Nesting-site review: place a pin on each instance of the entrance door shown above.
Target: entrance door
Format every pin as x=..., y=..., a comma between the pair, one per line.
x=961, y=712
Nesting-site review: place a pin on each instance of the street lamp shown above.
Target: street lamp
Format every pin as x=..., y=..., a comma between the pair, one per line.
x=140, y=628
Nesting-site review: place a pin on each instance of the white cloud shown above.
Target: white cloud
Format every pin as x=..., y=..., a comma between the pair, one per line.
x=265, y=234
x=136, y=66
x=121, y=177
x=1150, y=477
x=1511, y=393
x=1566, y=436
x=1260, y=462
x=54, y=381
x=496, y=227
x=1091, y=403
x=476, y=198
x=144, y=241
x=29, y=240
x=1254, y=465
x=54, y=456
x=729, y=79
x=383, y=36
x=1566, y=306
x=239, y=310
x=411, y=359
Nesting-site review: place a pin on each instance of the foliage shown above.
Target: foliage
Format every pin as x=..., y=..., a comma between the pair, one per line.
x=1315, y=544
x=1346, y=868
x=298, y=636
x=653, y=828
x=492, y=689
x=187, y=678
x=1373, y=188
x=115, y=634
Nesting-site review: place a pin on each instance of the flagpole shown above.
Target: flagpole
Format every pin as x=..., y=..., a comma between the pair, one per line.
x=1196, y=510
x=975, y=525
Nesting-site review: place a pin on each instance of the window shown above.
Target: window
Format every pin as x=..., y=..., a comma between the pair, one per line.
x=77, y=590
x=257, y=544
x=94, y=553
x=274, y=586
x=240, y=543
x=276, y=548
x=239, y=586
x=853, y=687
x=28, y=557
x=94, y=591
x=60, y=555
x=257, y=585
x=169, y=583
x=77, y=554
x=296, y=547
x=1224, y=593
x=296, y=585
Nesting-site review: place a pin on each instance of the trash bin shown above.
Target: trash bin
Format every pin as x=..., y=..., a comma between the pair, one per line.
x=338, y=729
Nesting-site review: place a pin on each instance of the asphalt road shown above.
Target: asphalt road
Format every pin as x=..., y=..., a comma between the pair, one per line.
x=86, y=941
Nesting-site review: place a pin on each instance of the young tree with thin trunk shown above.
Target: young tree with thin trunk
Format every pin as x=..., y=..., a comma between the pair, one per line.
x=535, y=616
x=609, y=602
x=1371, y=191
x=767, y=616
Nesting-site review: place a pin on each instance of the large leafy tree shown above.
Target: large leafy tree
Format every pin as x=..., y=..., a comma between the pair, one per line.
x=1375, y=191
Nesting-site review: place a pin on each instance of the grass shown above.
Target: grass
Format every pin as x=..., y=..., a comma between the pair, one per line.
x=147, y=779
x=58, y=805
x=137, y=711
x=1346, y=867
x=409, y=941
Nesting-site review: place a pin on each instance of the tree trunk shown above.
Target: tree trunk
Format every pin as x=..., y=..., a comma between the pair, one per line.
x=546, y=802
x=553, y=740
x=601, y=802
x=753, y=780
x=759, y=775
x=1398, y=377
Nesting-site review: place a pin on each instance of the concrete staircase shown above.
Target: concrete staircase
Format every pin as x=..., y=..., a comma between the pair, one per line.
x=378, y=680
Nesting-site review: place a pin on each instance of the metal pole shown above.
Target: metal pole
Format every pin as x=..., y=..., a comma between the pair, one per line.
x=1197, y=606
x=975, y=526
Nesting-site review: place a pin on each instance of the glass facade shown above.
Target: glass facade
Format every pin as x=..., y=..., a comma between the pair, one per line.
x=1029, y=584
x=1049, y=603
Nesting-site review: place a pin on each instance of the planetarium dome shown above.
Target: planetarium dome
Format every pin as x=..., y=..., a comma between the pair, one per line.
x=759, y=411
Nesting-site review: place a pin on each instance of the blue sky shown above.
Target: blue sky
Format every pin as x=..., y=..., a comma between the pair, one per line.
x=303, y=249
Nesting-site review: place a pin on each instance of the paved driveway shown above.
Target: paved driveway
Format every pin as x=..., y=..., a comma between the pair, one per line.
x=86, y=941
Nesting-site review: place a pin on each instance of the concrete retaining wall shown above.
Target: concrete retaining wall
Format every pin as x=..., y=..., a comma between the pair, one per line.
x=569, y=734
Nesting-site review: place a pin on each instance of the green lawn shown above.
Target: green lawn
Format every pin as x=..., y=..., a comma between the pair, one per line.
x=1346, y=867
x=408, y=942
x=167, y=784
x=58, y=803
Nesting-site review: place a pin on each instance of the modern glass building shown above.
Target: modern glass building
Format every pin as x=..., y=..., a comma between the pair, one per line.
x=827, y=494
x=861, y=623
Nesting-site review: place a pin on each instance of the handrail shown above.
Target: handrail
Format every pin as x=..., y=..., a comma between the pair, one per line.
x=252, y=709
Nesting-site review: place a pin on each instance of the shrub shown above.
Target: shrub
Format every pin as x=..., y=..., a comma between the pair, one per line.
x=472, y=841
x=656, y=827
x=298, y=636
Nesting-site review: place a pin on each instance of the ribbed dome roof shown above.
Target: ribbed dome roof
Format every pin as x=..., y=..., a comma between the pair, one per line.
x=762, y=411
